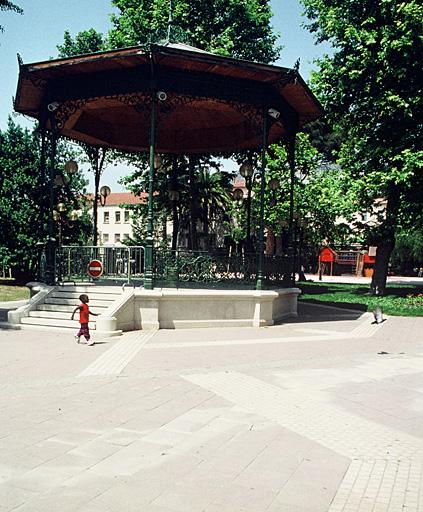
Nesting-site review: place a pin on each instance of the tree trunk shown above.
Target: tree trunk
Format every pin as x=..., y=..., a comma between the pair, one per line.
x=270, y=242
x=164, y=228
x=380, y=273
x=386, y=242
x=175, y=226
x=279, y=245
x=193, y=241
x=206, y=224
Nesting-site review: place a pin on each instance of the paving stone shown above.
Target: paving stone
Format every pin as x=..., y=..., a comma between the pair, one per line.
x=302, y=417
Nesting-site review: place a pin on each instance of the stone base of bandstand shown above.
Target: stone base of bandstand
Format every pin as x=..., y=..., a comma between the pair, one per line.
x=166, y=308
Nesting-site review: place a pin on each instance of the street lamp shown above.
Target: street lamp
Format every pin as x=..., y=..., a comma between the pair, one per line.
x=59, y=215
x=71, y=167
x=174, y=195
x=105, y=192
x=273, y=186
x=158, y=161
x=238, y=195
x=246, y=170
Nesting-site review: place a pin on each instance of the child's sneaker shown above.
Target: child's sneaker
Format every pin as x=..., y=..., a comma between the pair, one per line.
x=90, y=343
x=76, y=338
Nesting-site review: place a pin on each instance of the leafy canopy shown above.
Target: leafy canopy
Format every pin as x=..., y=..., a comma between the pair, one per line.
x=372, y=90
x=227, y=27
x=5, y=5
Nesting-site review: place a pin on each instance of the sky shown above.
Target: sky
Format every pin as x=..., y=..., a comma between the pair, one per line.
x=35, y=34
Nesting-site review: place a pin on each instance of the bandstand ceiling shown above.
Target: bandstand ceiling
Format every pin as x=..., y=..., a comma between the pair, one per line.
x=213, y=104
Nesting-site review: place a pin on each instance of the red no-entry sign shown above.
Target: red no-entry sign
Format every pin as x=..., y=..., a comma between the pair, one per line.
x=95, y=268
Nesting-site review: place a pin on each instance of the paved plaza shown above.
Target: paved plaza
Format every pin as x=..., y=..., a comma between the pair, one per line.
x=320, y=414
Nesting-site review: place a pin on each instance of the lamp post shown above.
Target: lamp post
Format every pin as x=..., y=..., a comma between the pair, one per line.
x=58, y=181
x=101, y=199
x=62, y=219
x=246, y=170
x=105, y=192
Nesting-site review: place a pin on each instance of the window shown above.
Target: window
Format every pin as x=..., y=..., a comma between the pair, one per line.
x=106, y=217
x=126, y=216
x=117, y=217
x=117, y=237
x=105, y=238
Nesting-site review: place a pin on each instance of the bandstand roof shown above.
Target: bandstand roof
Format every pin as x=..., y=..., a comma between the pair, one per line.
x=213, y=104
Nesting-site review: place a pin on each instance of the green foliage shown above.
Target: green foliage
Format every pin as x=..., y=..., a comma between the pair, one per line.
x=227, y=27
x=6, y=5
x=408, y=252
x=24, y=198
x=86, y=41
x=399, y=300
x=371, y=89
x=322, y=196
x=8, y=293
x=21, y=193
x=210, y=202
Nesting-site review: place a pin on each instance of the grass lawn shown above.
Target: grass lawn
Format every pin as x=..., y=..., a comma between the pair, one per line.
x=9, y=292
x=400, y=300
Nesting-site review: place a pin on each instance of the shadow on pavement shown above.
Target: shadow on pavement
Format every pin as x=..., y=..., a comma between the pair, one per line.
x=309, y=312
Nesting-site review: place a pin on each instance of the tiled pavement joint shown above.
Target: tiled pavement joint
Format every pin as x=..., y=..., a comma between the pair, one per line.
x=116, y=358
x=386, y=467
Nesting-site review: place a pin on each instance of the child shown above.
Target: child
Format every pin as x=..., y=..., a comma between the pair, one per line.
x=84, y=314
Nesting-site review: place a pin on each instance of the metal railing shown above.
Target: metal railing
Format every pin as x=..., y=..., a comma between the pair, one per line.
x=173, y=268
x=183, y=267
x=119, y=263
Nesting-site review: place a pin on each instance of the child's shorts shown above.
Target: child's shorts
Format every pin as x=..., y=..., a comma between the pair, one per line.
x=84, y=331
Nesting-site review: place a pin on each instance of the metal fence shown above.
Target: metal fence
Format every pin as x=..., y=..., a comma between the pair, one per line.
x=183, y=267
x=173, y=268
x=119, y=263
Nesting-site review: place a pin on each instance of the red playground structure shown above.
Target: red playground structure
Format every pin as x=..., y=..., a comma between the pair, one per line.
x=355, y=262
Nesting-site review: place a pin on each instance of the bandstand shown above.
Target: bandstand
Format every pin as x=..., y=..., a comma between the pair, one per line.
x=178, y=100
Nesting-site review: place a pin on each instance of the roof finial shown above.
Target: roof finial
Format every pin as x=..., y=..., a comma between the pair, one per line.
x=169, y=22
x=297, y=64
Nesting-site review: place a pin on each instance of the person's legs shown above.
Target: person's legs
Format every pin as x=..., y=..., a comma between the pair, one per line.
x=80, y=333
x=85, y=331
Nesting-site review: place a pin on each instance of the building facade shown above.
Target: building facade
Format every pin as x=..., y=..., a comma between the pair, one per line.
x=114, y=223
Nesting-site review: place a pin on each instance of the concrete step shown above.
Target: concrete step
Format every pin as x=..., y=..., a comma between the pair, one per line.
x=56, y=315
x=69, y=308
x=93, y=296
x=90, y=289
x=74, y=303
x=54, y=322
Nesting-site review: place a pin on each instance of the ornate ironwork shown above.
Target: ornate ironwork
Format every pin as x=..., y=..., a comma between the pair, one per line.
x=175, y=101
x=140, y=101
x=119, y=263
x=250, y=112
x=180, y=267
x=66, y=110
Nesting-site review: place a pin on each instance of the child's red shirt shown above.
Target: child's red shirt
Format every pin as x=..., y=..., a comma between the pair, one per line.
x=84, y=314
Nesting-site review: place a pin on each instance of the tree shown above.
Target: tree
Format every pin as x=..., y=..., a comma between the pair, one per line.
x=213, y=190
x=89, y=41
x=5, y=5
x=24, y=200
x=323, y=199
x=86, y=41
x=371, y=89
x=226, y=27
